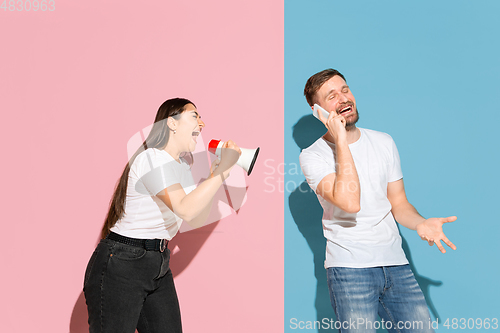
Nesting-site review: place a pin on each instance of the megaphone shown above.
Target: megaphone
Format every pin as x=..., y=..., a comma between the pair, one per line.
x=247, y=158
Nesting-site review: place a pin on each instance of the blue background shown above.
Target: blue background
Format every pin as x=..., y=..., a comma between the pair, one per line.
x=427, y=73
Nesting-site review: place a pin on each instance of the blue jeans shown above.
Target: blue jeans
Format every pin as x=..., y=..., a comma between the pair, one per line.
x=359, y=294
x=127, y=287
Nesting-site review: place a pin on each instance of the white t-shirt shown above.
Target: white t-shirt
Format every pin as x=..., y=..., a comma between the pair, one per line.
x=146, y=216
x=369, y=238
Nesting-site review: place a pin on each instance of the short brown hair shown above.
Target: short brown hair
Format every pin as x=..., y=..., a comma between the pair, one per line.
x=316, y=81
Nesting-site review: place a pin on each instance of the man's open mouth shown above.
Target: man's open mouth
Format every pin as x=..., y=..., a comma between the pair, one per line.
x=195, y=134
x=346, y=110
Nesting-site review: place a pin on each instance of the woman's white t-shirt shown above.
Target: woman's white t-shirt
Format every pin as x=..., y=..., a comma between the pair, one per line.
x=370, y=237
x=146, y=216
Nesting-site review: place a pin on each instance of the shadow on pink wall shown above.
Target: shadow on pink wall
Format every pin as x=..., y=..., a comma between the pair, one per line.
x=187, y=242
x=184, y=247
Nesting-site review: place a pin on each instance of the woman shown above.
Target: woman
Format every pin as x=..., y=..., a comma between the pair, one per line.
x=128, y=283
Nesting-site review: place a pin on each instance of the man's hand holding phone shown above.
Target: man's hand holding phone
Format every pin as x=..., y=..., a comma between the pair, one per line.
x=334, y=122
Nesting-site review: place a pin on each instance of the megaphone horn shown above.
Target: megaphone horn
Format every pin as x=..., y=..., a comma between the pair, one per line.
x=247, y=158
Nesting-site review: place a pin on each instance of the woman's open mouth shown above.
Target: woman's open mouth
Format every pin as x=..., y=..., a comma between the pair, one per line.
x=195, y=135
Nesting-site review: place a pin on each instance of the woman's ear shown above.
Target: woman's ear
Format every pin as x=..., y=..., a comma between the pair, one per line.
x=172, y=123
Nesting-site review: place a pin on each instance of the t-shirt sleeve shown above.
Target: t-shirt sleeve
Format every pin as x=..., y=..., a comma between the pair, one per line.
x=156, y=172
x=315, y=168
x=395, y=172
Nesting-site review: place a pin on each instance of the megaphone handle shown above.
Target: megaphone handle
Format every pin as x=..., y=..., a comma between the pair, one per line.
x=218, y=151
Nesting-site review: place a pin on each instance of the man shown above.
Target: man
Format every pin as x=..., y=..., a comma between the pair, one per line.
x=357, y=177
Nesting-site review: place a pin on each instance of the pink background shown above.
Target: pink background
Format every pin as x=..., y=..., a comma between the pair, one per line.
x=76, y=84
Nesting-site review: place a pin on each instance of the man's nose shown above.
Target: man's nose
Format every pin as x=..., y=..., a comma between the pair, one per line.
x=343, y=98
x=201, y=123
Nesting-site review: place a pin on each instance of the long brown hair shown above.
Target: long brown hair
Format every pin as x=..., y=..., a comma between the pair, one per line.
x=157, y=138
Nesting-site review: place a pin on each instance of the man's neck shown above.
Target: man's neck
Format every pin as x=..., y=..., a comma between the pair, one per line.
x=353, y=135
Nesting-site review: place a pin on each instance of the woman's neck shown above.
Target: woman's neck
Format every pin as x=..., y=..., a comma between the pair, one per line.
x=173, y=151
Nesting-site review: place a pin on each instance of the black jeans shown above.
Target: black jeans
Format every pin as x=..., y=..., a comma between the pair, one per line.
x=127, y=287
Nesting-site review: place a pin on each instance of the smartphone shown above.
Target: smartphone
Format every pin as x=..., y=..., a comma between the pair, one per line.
x=317, y=109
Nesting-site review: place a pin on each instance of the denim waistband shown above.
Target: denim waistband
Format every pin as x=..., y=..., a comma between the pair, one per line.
x=148, y=244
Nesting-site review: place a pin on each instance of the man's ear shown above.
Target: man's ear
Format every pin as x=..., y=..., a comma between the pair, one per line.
x=314, y=102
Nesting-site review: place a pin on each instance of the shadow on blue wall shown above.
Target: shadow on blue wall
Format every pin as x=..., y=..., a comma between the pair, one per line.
x=424, y=282
x=307, y=213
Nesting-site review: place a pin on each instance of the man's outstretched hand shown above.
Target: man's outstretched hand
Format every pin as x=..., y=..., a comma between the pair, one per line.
x=431, y=230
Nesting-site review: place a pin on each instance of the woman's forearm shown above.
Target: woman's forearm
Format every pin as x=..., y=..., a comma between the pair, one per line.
x=199, y=201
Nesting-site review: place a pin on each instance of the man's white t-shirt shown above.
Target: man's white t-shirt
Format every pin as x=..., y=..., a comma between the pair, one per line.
x=369, y=238
x=146, y=216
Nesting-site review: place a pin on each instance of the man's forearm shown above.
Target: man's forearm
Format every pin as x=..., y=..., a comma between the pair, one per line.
x=346, y=188
x=406, y=215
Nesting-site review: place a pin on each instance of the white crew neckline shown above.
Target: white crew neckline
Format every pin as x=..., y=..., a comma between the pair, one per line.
x=168, y=154
x=355, y=143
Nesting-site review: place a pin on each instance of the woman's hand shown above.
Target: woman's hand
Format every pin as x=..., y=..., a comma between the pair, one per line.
x=230, y=153
x=215, y=165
